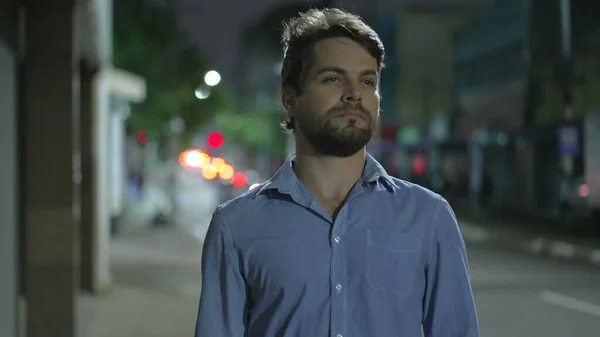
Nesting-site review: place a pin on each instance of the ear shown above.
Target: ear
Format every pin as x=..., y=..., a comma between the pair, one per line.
x=288, y=100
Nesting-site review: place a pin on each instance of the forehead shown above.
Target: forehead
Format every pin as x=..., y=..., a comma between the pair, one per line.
x=343, y=53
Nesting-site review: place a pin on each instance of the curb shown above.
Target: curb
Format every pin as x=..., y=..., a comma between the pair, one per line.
x=536, y=245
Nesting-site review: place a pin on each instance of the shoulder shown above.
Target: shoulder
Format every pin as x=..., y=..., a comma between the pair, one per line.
x=243, y=213
x=432, y=208
x=407, y=192
x=231, y=210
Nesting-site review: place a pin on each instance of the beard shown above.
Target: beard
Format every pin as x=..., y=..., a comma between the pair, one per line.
x=335, y=139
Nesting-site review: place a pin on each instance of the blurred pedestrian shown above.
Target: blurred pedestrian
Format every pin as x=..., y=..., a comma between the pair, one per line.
x=332, y=245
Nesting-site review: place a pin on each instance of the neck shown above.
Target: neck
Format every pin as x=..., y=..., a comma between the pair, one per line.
x=328, y=177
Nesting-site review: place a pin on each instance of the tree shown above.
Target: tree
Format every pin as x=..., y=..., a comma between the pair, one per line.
x=149, y=42
x=257, y=128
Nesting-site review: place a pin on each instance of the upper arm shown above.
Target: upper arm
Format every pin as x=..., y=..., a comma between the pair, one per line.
x=448, y=304
x=223, y=302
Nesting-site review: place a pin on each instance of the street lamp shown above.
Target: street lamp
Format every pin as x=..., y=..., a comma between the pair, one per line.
x=212, y=78
x=202, y=92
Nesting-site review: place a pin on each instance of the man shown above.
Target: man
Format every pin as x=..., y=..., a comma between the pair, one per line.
x=332, y=245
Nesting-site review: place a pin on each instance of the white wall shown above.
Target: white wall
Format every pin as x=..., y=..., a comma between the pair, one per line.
x=8, y=193
x=118, y=172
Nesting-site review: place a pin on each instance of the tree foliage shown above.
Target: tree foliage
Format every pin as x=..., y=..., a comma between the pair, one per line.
x=257, y=127
x=149, y=42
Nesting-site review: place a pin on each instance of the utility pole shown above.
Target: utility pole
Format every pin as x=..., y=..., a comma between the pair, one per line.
x=565, y=14
x=568, y=136
x=565, y=11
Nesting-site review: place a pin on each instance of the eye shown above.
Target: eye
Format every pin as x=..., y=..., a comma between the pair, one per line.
x=370, y=82
x=332, y=79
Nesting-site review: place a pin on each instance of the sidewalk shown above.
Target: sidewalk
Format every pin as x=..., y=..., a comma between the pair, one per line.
x=156, y=274
x=532, y=238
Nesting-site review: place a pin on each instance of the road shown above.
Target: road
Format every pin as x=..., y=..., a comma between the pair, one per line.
x=522, y=295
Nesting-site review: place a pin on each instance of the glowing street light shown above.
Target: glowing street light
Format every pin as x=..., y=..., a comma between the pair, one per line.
x=202, y=92
x=212, y=78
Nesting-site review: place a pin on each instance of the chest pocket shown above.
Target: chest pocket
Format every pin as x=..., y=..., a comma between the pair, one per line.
x=392, y=259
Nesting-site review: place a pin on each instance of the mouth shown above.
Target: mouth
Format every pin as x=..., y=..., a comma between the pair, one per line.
x=351, y=114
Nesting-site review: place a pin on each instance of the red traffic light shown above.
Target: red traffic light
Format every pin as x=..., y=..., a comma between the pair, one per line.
x=215, y=140
x=142, y=137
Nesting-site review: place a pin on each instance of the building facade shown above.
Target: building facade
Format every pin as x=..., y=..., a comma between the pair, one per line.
x=491, y=59
x=56, y=82
x=517, y=84
x=423, y=100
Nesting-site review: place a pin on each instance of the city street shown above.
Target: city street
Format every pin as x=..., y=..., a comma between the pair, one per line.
x=518, y=294
x=527, y=296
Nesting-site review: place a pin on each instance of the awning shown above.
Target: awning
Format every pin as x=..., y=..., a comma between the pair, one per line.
x=124, y=85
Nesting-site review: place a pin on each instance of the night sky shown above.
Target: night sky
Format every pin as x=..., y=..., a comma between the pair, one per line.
x=215, y=25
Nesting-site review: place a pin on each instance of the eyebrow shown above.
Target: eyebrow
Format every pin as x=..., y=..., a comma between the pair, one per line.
x=341, y=71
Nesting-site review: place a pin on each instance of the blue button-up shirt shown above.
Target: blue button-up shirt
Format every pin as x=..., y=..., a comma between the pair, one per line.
x=392, y=263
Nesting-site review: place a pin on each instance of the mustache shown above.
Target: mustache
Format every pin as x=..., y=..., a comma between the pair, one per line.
x=356, y=107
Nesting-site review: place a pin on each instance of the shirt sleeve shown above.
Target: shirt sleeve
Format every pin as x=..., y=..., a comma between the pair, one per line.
x=449, y=306
x=223, y=302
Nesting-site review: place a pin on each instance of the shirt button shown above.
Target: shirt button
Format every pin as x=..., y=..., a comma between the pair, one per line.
x=339, y=335
x=337, y=239
x=338, y=287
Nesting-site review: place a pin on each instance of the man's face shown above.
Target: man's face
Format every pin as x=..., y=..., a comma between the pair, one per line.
x=338, y=108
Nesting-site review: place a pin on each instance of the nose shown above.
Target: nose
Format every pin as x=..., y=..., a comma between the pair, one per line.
x=351, y=94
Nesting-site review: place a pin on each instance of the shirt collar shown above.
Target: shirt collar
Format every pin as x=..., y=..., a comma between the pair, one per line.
x=284, y=181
